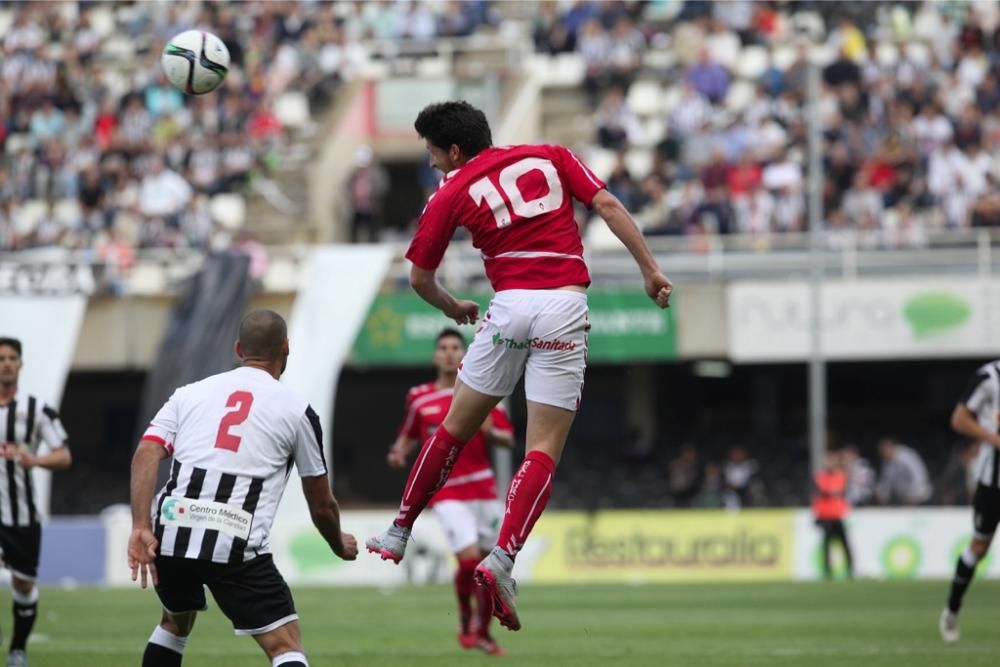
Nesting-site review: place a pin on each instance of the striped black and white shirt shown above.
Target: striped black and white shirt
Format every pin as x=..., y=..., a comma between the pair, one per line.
x=26, y=421
x=983, y=398
x=234, y=437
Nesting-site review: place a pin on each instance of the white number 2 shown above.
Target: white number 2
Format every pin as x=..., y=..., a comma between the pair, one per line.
x=484, y=189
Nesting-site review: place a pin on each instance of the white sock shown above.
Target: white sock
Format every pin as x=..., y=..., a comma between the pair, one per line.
x=31, y=597
x=969, y=558
x=291, y=656
x=167, y=640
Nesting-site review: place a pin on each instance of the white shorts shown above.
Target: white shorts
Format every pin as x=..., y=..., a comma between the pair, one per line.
x=541, y=334
x=469, y=523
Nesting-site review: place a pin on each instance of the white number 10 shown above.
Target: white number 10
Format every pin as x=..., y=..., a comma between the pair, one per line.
x=484, y=189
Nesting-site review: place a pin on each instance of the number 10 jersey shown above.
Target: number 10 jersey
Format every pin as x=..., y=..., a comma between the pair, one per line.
x=516, y=201
x=234, y=437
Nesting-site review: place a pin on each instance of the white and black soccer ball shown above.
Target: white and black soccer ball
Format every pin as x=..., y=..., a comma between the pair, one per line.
x=195, y=61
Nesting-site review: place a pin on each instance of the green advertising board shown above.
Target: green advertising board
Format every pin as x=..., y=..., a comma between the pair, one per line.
x=625, y=326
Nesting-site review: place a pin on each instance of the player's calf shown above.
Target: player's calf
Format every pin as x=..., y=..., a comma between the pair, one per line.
x=165, y=649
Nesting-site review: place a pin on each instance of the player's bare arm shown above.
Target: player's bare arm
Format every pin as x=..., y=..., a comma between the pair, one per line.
x=426, y=285
x=59, y=459
x=142, y=543
x=400, y=450
x=964, y=422
x=618, y=219
x=325, y=513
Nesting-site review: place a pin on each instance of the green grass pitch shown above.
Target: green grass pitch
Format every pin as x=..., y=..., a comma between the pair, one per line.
x=860, y=623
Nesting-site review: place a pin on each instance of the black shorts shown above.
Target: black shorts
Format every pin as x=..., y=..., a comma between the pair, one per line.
x=253, y=595
x=986, y=510
x=21, y=547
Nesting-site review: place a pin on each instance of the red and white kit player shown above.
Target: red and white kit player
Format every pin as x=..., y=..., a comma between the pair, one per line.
x=467, y=504
x=516, y=202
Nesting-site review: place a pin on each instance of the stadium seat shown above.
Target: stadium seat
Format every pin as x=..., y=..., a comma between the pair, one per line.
x=809, y=24
x=601, y=161
x=653, y=131
x=671, y=97
x=919, y=53
x=568, y=70
x=644, y=98
x=783, y=56
x=292, y=109
x=886, y=54
x=67, y=213
x=118, y=48
x=724, y=48
x=741, y=94
x=16, y=142
x=823, y=54
x=28, y=215
x=639, y=162
x=228, y=209
x=6, y=19
x=752, y=62
x=102, y=20
x=598, y=236
x=659, y=59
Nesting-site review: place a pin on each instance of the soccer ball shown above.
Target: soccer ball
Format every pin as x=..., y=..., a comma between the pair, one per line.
x=195, y=61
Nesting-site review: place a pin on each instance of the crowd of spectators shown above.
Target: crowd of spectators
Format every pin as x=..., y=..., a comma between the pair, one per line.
x=99, y=151
x=908, y=105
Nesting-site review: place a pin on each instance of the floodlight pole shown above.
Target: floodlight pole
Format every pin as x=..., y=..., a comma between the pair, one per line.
x=817, y=362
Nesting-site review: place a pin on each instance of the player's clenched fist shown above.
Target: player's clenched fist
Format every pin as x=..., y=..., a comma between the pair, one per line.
x=659, y=288
x=464, y=312
x=348, y=547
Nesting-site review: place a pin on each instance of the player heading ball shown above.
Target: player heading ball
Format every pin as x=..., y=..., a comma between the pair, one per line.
x=516, y=201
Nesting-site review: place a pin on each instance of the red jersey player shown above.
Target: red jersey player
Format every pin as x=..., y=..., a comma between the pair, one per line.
x=516, y=201
x=467, y=504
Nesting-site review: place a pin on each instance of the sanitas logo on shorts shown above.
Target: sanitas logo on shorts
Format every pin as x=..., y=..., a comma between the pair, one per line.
x=190, y=513
x=534, y=343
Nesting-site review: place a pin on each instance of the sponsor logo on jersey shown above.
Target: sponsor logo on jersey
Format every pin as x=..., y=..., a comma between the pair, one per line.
x=536, y=343
x=207, y=514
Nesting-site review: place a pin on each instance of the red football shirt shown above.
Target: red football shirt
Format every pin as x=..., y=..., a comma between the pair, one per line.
x=516, y=201
x=471, y=477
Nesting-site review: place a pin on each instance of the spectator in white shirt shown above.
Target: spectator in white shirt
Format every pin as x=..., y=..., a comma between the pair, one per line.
x=903, y=478
x=163, y=193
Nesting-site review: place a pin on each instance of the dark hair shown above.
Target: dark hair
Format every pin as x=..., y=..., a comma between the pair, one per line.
x=455, y=123
x=449, y=332
x=11, y=342
x=262, y=333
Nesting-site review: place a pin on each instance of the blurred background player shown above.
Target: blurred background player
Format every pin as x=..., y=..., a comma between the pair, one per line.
x=830, y=509
x=975, y=417
x=25, y=424
x=467, y=504
x=233, y=437
x=516, y=201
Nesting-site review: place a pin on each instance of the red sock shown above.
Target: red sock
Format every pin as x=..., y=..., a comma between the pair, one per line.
x=529, y=492
x=428, y=474
x=484, y=609
x=465, y=585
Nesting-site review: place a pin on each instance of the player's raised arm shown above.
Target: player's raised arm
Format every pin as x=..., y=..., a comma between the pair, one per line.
x=611, y=210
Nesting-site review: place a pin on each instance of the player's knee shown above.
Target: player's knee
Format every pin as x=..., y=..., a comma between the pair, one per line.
x=979, y=548
x=24, y=587
x=179, y=625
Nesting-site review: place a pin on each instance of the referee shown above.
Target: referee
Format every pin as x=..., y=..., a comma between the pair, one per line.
x=25, y=423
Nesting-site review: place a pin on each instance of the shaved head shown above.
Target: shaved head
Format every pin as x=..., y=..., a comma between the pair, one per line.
x=262, y=336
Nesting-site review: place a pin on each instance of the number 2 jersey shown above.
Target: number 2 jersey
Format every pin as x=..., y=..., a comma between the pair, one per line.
x=234, y=437
x=471, y=477
x=516, y=201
